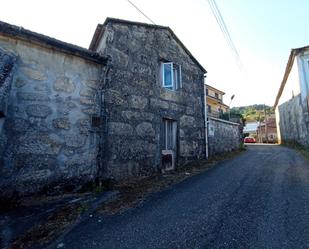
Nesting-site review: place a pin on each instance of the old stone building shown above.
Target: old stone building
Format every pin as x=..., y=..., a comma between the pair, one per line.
x=292, y=101
x=132, y=104
x=154, y=99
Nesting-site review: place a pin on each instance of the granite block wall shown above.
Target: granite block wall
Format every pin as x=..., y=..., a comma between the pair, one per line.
x=136, y=102
x=47, y=136
x=223, y=136
x=294, y=121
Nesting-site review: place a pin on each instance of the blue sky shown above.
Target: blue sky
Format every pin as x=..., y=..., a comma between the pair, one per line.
x=263, y=32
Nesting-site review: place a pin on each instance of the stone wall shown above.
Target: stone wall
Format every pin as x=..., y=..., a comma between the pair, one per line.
x=293, y=122
x=7, y=62
x=47, y=136
x=223, y=136
x=136, y=102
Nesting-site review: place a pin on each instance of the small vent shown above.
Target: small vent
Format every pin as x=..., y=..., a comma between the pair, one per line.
x=167, y=159
x=96, y=122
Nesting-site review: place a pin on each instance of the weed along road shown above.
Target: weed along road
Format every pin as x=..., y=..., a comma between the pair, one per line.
x=258, y=200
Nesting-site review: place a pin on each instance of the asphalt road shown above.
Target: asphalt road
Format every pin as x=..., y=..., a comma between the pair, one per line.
x=257, y=200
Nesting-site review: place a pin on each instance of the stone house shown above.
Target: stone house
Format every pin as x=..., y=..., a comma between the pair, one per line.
x=292, y=101
x=130, y=105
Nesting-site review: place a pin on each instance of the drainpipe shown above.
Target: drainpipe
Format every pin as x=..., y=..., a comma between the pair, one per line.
x=205, y=121
x=103, y=130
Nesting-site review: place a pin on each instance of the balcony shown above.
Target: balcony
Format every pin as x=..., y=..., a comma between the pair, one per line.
x=219, y=115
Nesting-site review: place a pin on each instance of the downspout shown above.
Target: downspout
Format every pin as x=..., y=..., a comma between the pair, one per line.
x=103, y=130
x=205, y=121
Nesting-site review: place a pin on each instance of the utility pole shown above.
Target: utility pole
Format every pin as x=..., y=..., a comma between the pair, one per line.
x=265, y=119
x=232, y=97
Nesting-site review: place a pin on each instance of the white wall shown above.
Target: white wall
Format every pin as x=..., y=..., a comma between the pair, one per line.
x=292, y=87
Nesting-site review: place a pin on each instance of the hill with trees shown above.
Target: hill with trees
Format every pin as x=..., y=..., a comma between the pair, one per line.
x=252, y=112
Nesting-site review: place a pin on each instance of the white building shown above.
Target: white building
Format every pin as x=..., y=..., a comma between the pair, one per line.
x=292, y=103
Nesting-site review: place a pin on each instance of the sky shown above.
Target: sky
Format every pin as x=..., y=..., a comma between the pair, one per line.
x=263, y=32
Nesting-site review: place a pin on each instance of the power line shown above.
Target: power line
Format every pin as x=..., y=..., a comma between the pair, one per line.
x=226, y=34
x=148, y=18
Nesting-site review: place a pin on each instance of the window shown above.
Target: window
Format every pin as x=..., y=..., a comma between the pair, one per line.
x=169, y=134
x=206, y=92
x=209, y=108
x=95, y=121
x=171, y=76
x=217, y=95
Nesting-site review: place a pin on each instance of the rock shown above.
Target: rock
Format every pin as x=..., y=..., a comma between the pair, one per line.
x=39, y=111
x=87, y=101
x=87, y=92
x=187, y=121
x=138, y=102
x=120, y=129
x=20, y=82
x=157, y=103
x=136, y=115
x=16, y=124
x=114, y=97
x=64, y=84
x=145, y=129
x=34, y=74
x=62, y=123
x=72, y=140
x=32, y=96
x=91, y=110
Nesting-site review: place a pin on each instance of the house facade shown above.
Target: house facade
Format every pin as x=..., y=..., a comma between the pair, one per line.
x=154, y=100
x=291, y=104
x=132, y=104
x=267, y=131
x=214, y=99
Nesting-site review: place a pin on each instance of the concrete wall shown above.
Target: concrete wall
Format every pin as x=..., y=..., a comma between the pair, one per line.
x=293, y=122
x=136, y=102
x=223, y=136
x=46, y=135
x=292, y=114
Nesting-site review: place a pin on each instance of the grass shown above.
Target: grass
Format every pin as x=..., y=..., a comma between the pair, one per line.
x=300, y=148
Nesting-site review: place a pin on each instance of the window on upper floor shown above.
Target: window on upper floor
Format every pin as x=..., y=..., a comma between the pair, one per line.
x=171, y=76
x=216, y=95
x=209, y=108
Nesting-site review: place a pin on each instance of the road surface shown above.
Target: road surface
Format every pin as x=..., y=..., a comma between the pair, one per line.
x=258, y=200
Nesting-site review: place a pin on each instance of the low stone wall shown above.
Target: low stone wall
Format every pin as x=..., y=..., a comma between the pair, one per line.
x=223, y=136
x=293, y=121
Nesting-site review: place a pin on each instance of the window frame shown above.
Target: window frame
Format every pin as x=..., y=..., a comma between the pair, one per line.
x=176, y=76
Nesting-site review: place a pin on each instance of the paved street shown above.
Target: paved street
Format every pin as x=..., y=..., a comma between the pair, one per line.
x=257, y=200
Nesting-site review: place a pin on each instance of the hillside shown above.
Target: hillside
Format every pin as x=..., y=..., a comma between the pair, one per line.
x=252, y=112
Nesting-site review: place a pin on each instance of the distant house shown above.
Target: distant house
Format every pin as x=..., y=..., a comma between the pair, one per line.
x=267, y=131
x=214, y=99
x=250, y=129
x=292, y=100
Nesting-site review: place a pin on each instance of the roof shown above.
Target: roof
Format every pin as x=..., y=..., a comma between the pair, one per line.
x=13, y=31
x=214, y=89
x=101, y=28
x=293, y=54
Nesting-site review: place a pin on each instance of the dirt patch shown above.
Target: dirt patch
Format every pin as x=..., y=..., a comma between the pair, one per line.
x=54, y=226
x=132, y=193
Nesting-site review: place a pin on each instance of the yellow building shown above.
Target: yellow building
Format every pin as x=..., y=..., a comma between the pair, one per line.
x=214, y=99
